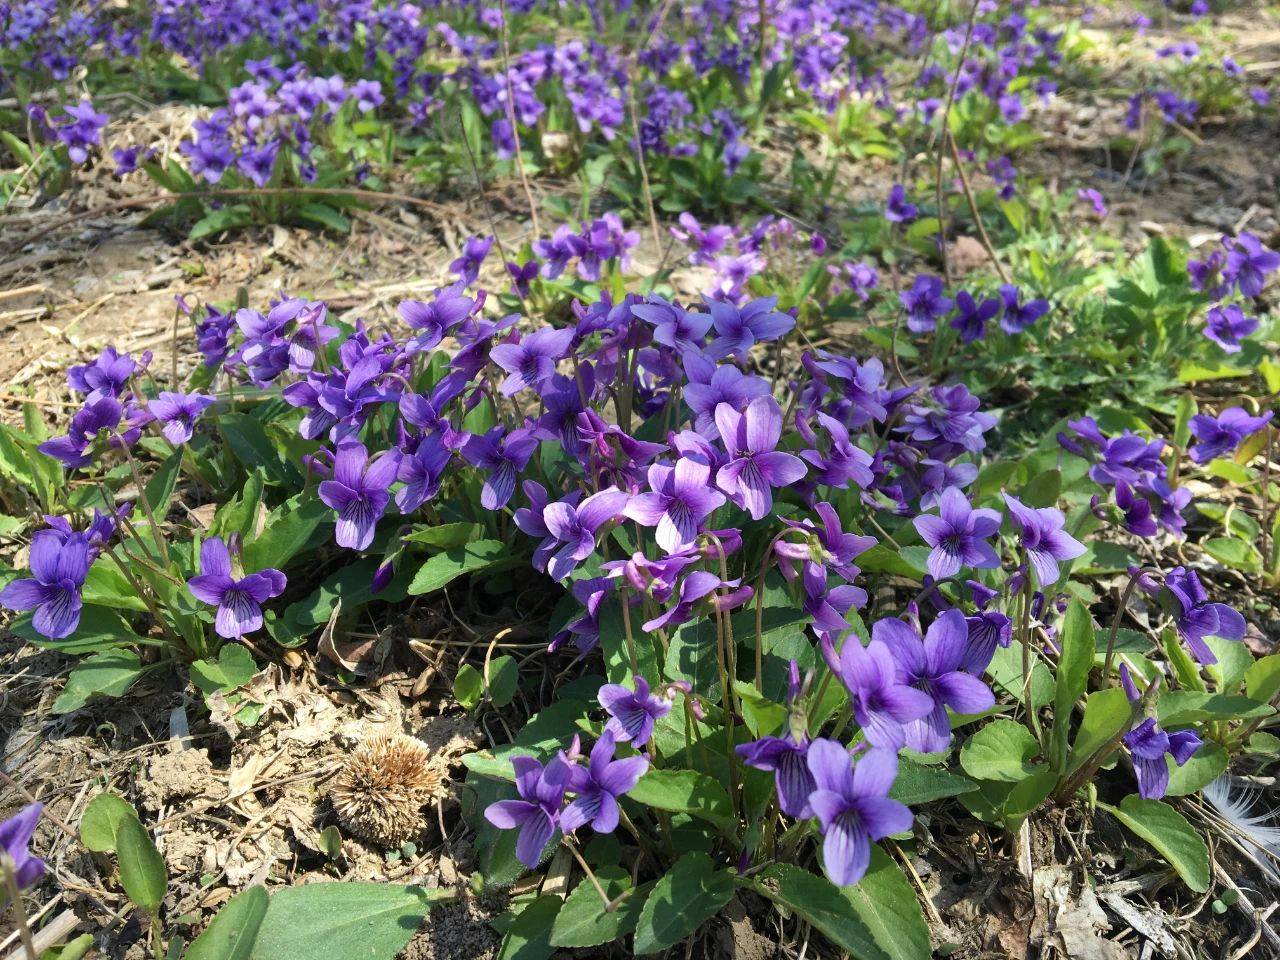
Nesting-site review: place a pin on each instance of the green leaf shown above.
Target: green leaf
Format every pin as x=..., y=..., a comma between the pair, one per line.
x=238, y=514
x=220, y=221
x=686, y=791
x=691, y=656
x=1043, y=490
x=287, y=530
x=504, y=680
x=917, y=783
x=1187, y=408
x=100, y=629
x=1234, y=553
x=445, y=535
x=1073, y=674
x=1262, y=680
x=687, y=896
x=1106, y=714
x=468, y=686
x=341, y=921
x=1178, y=708
x=107, y=586
x=1001, y=750
x=878, y=918
x=454, y=562
x=142, y=870
x=231, y=934
x=529, y=936
x=1168, y=831
x=100, y=823
x=1205, y=766
x=249, y=442
x=325, y=216
x=159, y=489
x=233, y=668
x=582, y=921
x=1005, y=671
x=107, y=674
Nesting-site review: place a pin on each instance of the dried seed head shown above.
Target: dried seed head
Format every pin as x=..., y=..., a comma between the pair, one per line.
x=380, y=792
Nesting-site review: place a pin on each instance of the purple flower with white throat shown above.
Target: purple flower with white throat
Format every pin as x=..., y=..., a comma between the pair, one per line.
x=59, y=565
x=239, y=601
x=935, y=667
x=706, y=243
x=359, y=492
x=502, y=457
x=958, y=535
x=1041, y=532
x=422, y=472
x=853, y=807
x=1197, y=618
x=680, y=498
x=674, y=326
x=787, y=758
x=575, y=526
x=1228, y=325
x=598, y=786
x=105, y=376
x=925, y=303
x=1220, y=435
x=882, y=704
x=755, y=466
x=178, y=413
x=711, y=385
x=537, y=813
x=738, y=330
x=1149, y=745
x=15, y=842
x=632, y=713
x=532, y=361
x=1248, y=263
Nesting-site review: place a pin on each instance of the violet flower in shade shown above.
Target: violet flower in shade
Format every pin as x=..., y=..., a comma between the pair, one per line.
x=1248, y=263
x=738, y=330
x=958, y=535
x=1018, y=316
x=787, y=758
x=575, y=526
x=1227, y=326
x=843, y=462
x=72, y=449
x=882, y=705
x=987, y=629
x=1197, y=618
x=532, y=361
x=239, y=602
x=828, y=547
x=935, y=667
x=693, y=588
x=422, y=472
x=1148, y=745
x=679, y=499
x=15, y=841
x=826, y=605
x=711, y=385
x=1221, y=435
x=972, y=316
x=557, y=250
x=861, y=278
x=502, y=457
x=853, y=807
x=755, y=466
x=178, y=412
x=632, y=713
x=359, y=492
x=925, y=303
x=1040, y=530
x=59, y=565
x=956, y=419
x=468, y=264
x=105, y=376
x=674, y=326
x=598, y=786
x=537, y=813
x=897, y=210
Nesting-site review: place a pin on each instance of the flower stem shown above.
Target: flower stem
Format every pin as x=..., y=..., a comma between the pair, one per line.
x=18, y=910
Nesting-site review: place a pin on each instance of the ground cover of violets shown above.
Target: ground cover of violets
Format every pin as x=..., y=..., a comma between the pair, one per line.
x=999, y=554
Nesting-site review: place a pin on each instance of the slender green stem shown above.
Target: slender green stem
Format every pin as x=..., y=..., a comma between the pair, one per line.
x=1115, y=621
x=156, y=533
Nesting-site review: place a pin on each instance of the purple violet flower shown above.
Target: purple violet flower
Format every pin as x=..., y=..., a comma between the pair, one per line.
x=1017, y=316
x=598, y=786
x=575, y=526
x=1248, y=263
x=1227, y=326
x=739, y=329
x=853, y=807
x=897, y=210
x=178, y=412
x=935, y=666
x=925, y=303
x=502, y=457
x=632, y=713
x=788, y=759
x=680, y=498
x=59, y=565
x=358, y=491
x=531, y=361
x=1148, y=745
x=972, y=317
x=958, y=535
x=537, y=813
x=1197, y=618
x=1043, y=537
x=1221, y=435
x=15, y=841
x=754, y=466
x=239, y=602
x=882, y=705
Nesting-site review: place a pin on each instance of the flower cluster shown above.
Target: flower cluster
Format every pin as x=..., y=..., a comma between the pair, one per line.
x=1238, y=267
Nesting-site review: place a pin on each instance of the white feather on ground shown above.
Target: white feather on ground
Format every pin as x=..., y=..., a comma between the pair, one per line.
x=1234, y=803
